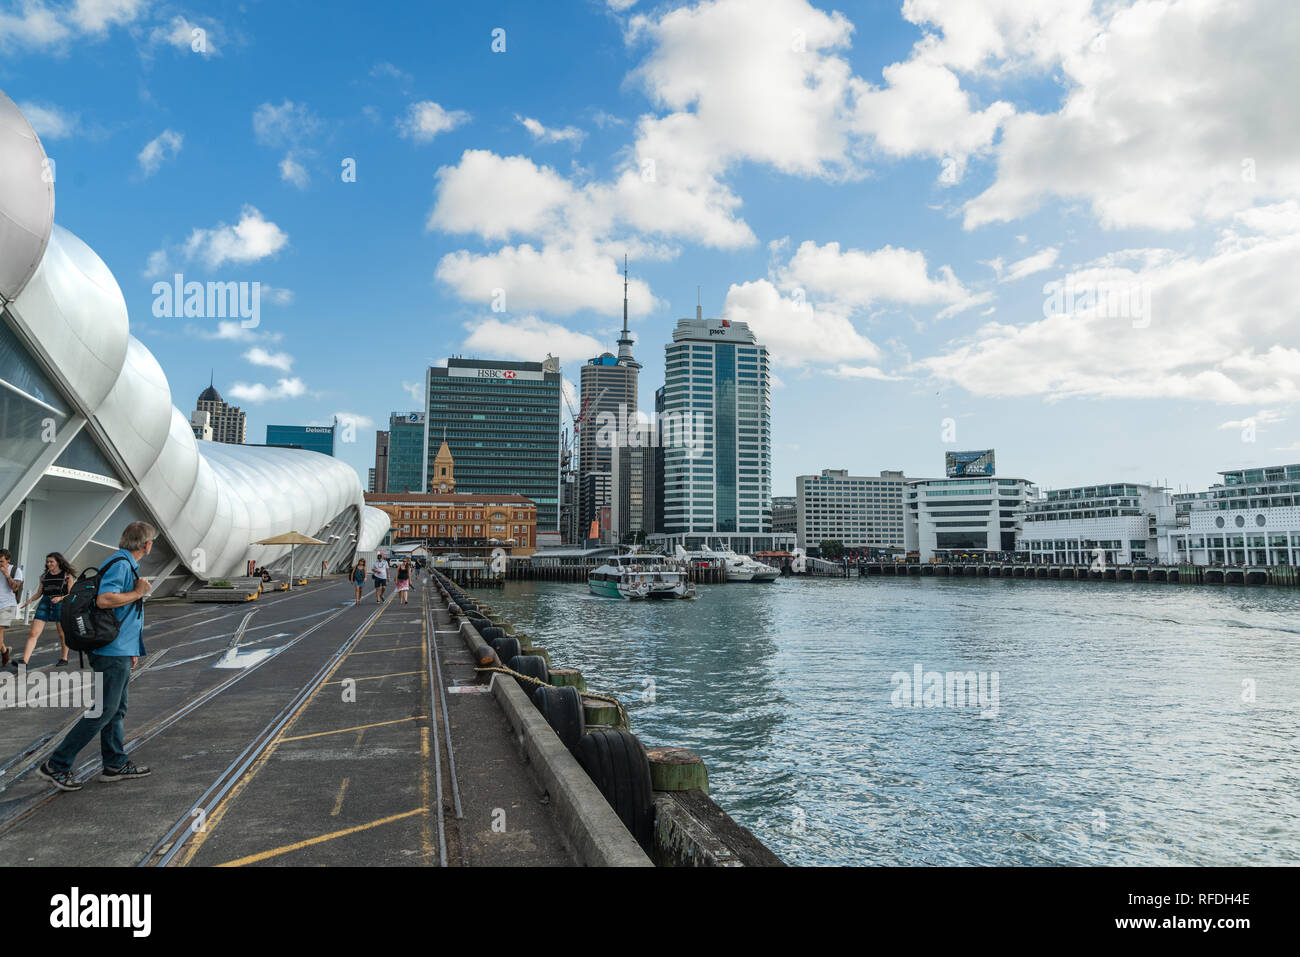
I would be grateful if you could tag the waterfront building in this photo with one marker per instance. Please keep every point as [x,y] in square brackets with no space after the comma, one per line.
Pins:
[963,516]
[313,438]
[501,421]
[1119,524]
[229,423]
[380,482]
[91,442]
[861,511]
[1252,517]
[473,525]
[716,434]
[405,453]
[785,514]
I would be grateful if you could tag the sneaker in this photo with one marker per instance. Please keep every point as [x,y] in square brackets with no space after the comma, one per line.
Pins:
[62,780]
[125,772]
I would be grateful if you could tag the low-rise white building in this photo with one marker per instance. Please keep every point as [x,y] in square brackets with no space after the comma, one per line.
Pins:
[1251,518]
[1119,524]
[961,516]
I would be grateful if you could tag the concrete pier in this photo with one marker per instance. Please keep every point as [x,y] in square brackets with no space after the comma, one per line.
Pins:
[1277,575]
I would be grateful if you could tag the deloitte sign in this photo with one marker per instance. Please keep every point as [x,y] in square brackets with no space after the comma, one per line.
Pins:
[314,438]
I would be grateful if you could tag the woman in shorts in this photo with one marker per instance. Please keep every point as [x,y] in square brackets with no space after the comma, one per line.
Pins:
[359,578]
[56,582]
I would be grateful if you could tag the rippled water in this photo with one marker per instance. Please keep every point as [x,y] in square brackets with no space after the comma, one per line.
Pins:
[1120,736]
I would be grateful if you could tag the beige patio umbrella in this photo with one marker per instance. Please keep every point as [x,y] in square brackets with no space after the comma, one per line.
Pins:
[291,539]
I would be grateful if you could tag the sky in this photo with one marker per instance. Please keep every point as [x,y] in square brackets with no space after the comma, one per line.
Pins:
[1064,230]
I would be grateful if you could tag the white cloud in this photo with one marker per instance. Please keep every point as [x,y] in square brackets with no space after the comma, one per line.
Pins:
[426,119]
[416,391]
[1043,259]
[276,295]
[354,419]
[286,125]
[275,360]
[1262,417]
[854,280]
[158,150]
[232,330]
[796,332]
[1170,118]
[158,264]
[528,338]
[291,171]
[386,70]
[37,25]
[552,279]
[251,239]
[862,372]
[259,392]
[547,134]
[500,196]
[50,122]
[1219,328]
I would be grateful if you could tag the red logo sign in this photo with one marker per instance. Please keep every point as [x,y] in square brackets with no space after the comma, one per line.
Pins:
[508,374]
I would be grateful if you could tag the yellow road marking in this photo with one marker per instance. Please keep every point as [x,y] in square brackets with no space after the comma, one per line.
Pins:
[196,840]
[398,674]
[426,828]
[338,801]
[360,727]
[299,845]
[380,651]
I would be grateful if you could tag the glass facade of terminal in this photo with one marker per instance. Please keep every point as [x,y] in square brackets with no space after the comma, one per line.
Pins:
[501,421]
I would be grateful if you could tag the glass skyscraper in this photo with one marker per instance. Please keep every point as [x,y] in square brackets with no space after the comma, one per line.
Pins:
[406,457]
[501,421]
[716,434]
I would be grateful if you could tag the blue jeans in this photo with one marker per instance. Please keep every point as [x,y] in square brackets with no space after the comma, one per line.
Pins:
[117,673]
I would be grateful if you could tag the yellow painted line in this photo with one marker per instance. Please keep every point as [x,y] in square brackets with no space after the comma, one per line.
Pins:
[311,841]
[396,674]
[196,840]
[380,651]
[360,727]
[338,801]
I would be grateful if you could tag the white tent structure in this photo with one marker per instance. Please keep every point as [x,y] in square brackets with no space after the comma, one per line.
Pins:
[90,439]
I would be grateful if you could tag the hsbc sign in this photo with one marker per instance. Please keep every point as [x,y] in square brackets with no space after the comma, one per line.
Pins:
[506,374]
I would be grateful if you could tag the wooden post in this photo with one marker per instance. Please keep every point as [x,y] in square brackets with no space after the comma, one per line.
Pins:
[599,712]
[572,677]
[677,769]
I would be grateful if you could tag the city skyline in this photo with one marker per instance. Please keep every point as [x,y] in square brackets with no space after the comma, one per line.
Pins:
[1122,323]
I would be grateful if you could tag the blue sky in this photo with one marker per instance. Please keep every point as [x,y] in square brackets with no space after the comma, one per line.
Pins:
[882,189]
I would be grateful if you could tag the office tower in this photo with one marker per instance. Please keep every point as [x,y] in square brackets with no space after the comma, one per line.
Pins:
[860,511]
[715,429]
[608,396]
[501,421]
[405,452]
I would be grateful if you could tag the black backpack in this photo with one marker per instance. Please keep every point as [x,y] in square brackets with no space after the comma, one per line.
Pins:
[86,626]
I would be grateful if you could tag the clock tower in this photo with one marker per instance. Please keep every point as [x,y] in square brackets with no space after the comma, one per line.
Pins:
[443,479]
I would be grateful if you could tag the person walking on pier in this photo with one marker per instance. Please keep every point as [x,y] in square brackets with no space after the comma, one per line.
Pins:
[55,583]
[123,589]
[359,577]
[11,585]
[404,581]
[380,572]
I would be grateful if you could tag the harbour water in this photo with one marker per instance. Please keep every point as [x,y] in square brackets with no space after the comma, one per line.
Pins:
[1122,730]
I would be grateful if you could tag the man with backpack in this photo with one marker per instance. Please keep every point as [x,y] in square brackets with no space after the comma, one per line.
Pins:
[119,588]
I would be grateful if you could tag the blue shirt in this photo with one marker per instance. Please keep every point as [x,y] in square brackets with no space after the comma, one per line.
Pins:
[130,618]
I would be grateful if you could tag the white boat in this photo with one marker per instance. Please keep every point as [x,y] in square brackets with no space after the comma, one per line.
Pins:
[739,568]
[640,575]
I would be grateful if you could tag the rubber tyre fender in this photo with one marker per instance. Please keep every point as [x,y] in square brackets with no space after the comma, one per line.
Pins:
[616,762]
[506,646]
[490,633]
[534,666]
[562,709]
